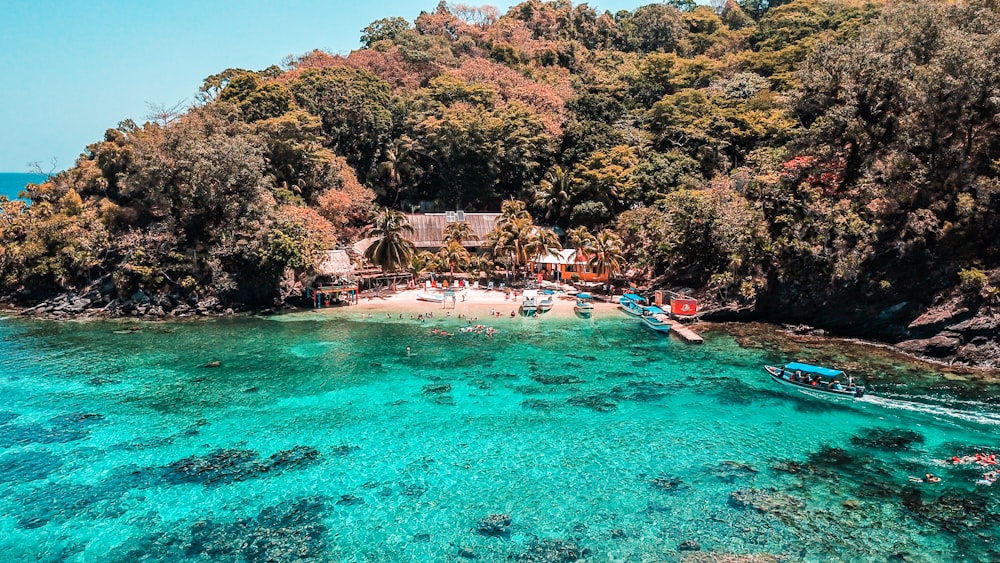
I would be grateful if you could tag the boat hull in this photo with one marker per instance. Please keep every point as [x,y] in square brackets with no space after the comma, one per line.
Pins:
[815,390]
[430,298]
[583,311]
[528,308]
[657,325]
[635,311]
[545,305]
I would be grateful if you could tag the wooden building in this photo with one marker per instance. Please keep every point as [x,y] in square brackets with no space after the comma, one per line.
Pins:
[428,228]
[562,265]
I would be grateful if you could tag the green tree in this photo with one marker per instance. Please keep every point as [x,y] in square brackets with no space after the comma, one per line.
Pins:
[580,237]
[356,109]
[455,256]
[391,249]
[459,232]
[605,253]
[385,29]
[553,195]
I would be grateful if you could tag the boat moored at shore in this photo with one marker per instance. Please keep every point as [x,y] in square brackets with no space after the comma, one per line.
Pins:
[583,308]
[632,304]
[656,319]
[529,305]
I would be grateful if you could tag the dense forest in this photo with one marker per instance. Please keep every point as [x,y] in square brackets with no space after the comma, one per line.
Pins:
[831,162]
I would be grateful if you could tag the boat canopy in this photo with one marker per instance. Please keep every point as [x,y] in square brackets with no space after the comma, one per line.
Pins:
[816,370]
[583,296]
[633,297]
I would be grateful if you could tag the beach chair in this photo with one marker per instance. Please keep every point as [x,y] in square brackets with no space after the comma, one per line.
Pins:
[489,286]
[502,286]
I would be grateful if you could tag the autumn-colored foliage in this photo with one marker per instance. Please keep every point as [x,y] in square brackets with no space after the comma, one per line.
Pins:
[753,149]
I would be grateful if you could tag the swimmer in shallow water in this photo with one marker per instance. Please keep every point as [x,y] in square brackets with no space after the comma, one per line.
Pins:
[928,478]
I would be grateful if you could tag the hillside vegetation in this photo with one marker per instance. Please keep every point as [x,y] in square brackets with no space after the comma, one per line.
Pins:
[833,162]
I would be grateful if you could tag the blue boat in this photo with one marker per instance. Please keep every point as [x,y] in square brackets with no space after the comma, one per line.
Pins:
[822,380]
[632,304]
[583,308]
[656,319]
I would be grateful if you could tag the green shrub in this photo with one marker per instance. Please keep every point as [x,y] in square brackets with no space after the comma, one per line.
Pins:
[973,278]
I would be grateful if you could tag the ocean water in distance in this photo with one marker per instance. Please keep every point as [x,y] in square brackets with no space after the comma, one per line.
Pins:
[11,183]
[317,438]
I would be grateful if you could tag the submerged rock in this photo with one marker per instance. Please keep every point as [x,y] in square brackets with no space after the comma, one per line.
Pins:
[232,465]
[593,402]
[289,531]
[666,482]
[689,545]
[553,551]
[437,388]
[350,500]
[497,525]
[887,439]
[538,404]
[557,379]
[730,471]
[22,467]
[767,501]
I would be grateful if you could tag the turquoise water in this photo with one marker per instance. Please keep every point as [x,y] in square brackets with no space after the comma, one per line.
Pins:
[11,183]
[319,439]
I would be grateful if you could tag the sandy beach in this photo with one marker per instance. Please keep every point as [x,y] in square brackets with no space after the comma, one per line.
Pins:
[469,303]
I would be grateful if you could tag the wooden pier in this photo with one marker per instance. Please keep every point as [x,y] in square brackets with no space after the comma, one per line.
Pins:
[685,333]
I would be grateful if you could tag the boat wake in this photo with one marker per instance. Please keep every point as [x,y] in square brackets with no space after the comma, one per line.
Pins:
[941,411]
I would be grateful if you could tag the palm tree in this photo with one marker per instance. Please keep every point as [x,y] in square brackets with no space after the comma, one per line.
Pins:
[606,256]
[543,241]
[510,210]
[580,238]
[391,249]
[458,232]
[552,197]
[455,256]
[394,166]
[511,238]
[424,261]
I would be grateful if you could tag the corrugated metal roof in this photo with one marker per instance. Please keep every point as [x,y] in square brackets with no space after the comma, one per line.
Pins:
[428,228]
[563,256]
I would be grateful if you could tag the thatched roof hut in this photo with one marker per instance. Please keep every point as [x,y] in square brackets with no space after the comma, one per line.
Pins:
[336,264]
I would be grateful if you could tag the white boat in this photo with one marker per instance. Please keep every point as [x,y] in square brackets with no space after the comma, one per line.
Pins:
[529,305]
[656,319]
[583,308]
[632,304]
[545,305]
[816,380]
[432,297]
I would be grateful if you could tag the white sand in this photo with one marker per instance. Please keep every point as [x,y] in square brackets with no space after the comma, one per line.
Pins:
[468,303]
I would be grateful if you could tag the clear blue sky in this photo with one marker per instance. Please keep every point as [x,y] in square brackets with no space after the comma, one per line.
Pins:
[73,68]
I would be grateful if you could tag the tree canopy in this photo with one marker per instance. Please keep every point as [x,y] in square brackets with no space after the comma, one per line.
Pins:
[758,150]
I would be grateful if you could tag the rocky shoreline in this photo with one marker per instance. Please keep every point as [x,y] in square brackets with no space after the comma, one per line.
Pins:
[951,333]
